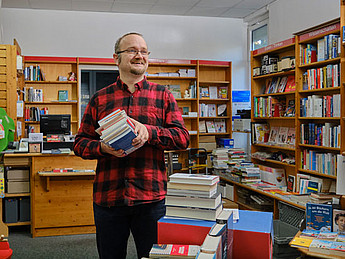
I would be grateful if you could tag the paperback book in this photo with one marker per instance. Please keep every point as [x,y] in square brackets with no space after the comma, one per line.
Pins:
[319,217]
[174,251]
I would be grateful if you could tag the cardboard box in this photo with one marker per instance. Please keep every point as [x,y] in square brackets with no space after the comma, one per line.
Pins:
[18,174]
[18,186]
[208,146]
[185,231]
[207,139]
[253,235]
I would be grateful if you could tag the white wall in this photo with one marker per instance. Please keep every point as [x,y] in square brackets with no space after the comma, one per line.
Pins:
[287,17]
[93,34]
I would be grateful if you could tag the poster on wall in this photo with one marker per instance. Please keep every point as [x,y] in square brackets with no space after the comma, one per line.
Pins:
[240,101]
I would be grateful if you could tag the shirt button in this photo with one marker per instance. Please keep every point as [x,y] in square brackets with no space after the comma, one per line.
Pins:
[130,111]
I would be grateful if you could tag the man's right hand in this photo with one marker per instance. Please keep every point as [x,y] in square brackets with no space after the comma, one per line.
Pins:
[108,149]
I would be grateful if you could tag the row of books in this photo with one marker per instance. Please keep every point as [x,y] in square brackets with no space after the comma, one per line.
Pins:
[32,94]
[33,73]
[263,133]
[280,84]
[319,134]
[118,131]
[176,91]
[214,92]
[207,110]
[326,48]
[280,156]
[324,163]
[273,107]
[33,113]
[180,73]
[212,126]
[322,77]
[320,106]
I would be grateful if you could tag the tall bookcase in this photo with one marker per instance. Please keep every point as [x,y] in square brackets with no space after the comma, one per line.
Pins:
[319,98]
[42,94]
[263,97]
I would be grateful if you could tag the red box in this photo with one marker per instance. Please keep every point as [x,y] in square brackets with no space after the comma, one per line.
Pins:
[253,235]
[183,231]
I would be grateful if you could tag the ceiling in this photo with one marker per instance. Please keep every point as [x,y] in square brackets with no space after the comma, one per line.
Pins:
[207,8]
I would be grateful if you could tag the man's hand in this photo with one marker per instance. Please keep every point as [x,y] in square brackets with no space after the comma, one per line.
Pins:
[142,134]
[108,149]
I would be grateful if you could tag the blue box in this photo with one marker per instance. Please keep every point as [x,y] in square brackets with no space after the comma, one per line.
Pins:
[226,142]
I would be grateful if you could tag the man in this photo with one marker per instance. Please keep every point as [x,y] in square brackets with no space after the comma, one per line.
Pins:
[129,190]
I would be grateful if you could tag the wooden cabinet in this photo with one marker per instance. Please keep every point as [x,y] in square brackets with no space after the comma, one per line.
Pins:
[270,99]
[45,79]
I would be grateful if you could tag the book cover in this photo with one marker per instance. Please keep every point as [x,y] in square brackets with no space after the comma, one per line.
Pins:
[125,142]
[213,92]
[210,127]
[204,92]
[320,246]
[339,221]
[261,132]
[291,187]
[319,217]
[63,95]
[212,110]
[309,233]
[273,137]
[290,84]
[202,126]
[338,248]
[282,135]
[194,213]
[223,92]
[174,251]
[194,178]
[175,90]
[291,136]
[197,202]
[290,109]
[282,84]
[301,242]
[220,125]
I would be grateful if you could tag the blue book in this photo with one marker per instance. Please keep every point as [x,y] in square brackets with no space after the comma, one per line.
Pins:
[125,142]
[319,217]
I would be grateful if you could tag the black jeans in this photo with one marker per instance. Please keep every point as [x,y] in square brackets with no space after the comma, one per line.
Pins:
[113,226]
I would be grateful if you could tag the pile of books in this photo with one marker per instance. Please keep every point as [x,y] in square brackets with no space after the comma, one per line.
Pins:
[117,131]
[193,196]
[245,172]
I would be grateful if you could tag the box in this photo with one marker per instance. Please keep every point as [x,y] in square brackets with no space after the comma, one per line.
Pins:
[226,142]
[173,230]
[24,209]
[18,174]
[207,139]
[253,235]
[241,124]
[208,146]
[18,186]
[11,210]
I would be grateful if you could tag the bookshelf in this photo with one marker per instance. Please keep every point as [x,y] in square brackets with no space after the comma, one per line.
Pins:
[319,124]
[45,77]
[273,69]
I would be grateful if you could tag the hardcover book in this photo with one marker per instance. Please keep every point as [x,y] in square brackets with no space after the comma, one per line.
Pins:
[174,251]
[194,213]
[194,201]
[290,84]
[63,95]
[319,217]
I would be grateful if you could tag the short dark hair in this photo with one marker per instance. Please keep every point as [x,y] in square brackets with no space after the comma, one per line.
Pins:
[338,216]
[118,42]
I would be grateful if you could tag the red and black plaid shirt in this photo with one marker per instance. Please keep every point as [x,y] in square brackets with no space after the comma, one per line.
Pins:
[139,177]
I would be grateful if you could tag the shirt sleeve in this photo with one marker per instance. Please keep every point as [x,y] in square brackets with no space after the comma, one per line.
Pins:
[87,144]
[173,134]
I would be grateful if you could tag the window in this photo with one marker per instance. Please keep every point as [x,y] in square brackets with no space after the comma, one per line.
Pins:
[259,37]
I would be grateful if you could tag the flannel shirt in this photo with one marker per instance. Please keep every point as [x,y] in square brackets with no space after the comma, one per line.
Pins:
[139,177]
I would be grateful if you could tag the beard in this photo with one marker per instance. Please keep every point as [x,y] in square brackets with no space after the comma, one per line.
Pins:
[137,72]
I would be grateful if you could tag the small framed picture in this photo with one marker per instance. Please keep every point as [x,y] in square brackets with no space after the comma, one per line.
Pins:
[35,147]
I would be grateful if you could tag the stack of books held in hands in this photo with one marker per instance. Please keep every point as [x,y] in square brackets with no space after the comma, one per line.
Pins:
[117,131]
[193,196]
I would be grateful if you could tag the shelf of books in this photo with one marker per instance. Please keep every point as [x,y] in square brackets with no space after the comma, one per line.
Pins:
[214,99]
[50,87]
[318,125]
[273,133]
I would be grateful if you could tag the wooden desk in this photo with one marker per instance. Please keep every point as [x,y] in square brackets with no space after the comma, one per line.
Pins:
[65,207]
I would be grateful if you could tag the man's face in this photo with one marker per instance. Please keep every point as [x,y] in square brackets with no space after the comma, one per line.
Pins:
[341,223]
[135,64]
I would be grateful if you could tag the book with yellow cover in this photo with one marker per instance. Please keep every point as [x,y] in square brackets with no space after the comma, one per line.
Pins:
[301,242]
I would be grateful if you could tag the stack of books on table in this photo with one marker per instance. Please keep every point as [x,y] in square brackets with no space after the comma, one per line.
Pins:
[117,131]
[327,243]
[193,196]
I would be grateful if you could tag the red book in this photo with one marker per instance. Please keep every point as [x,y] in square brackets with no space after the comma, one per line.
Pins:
[290,85]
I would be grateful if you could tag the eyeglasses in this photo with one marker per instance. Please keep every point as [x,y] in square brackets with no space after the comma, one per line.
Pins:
[135,52]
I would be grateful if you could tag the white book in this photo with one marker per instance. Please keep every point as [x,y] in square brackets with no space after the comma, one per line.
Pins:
[213,90]
[194,178]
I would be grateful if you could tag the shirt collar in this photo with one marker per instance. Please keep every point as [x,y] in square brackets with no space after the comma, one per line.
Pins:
[138,85]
